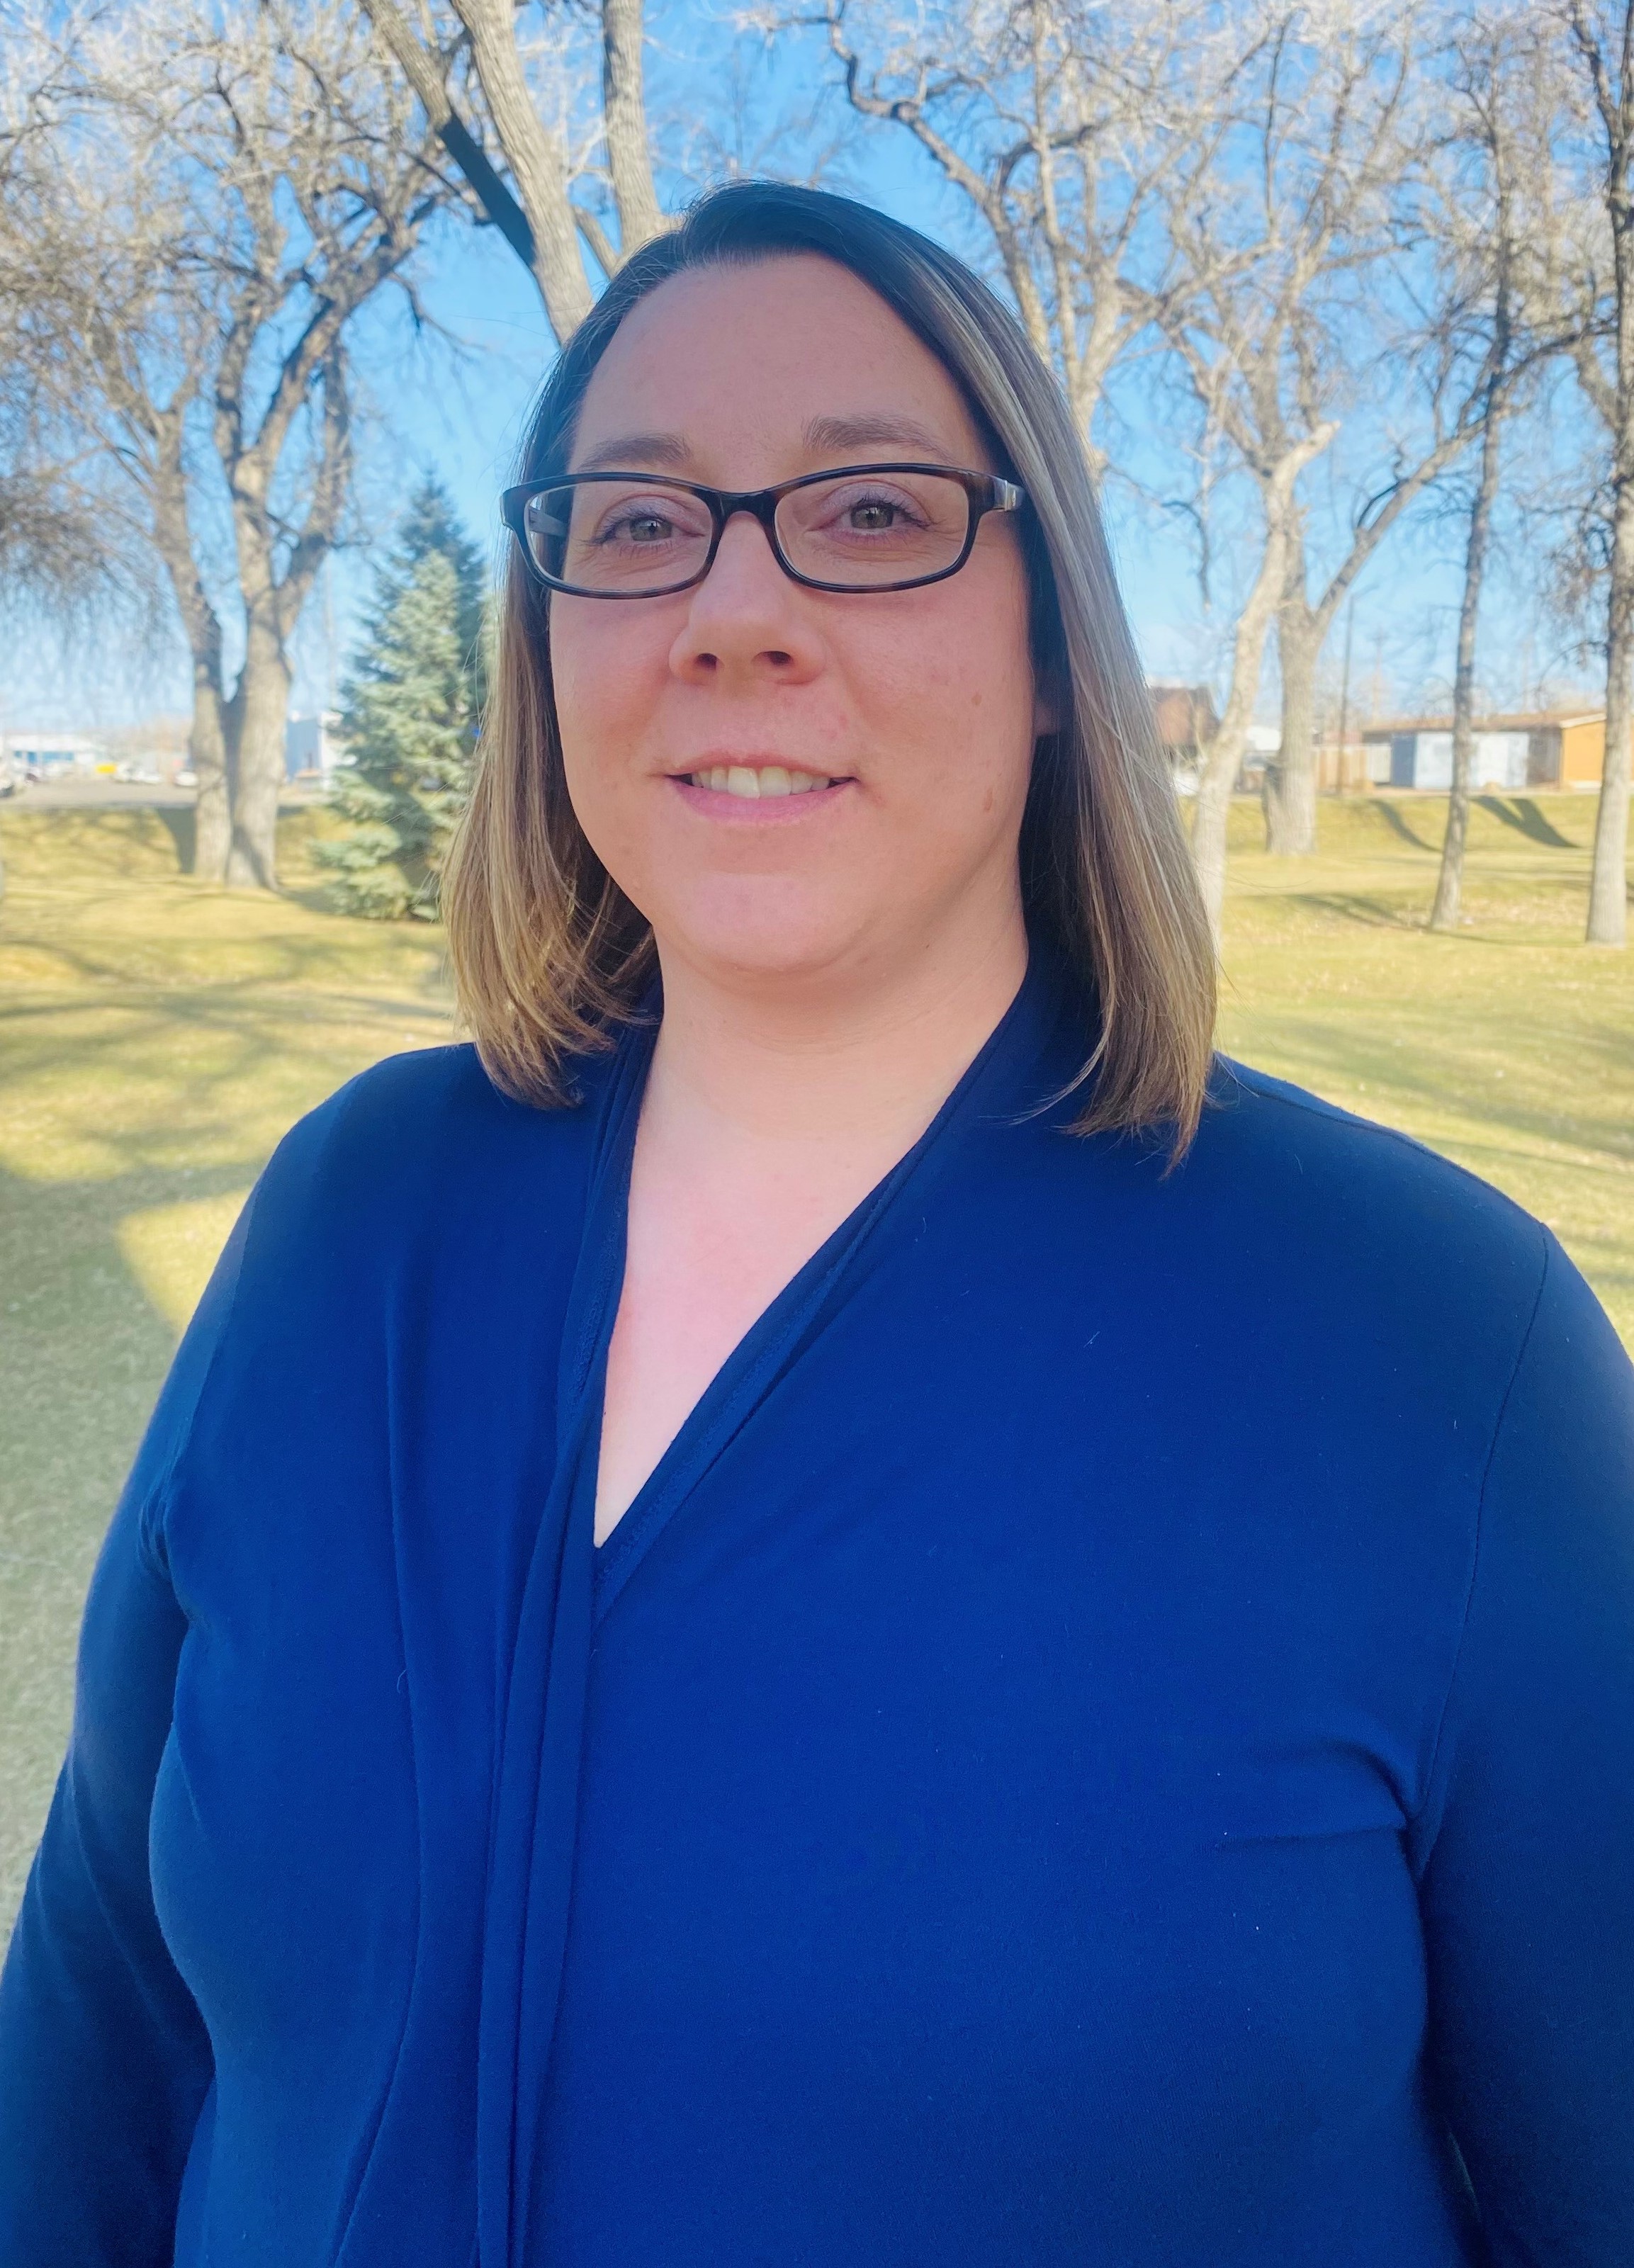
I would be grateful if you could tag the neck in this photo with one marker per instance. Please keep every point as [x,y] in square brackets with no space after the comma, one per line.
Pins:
[861,1056]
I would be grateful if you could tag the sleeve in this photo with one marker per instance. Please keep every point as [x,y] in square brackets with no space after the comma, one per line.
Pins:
[1526,1838]
[104,2060]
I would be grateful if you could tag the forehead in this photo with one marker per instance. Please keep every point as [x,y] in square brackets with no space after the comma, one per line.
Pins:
[786,359]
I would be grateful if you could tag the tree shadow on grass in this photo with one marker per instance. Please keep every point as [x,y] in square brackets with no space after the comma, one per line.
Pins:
[178,822]
[1396,818]
[147,1083]
[1352,906]
[334,963]
[1522,813]
[313,897]
[1381,913]
[1338,1056]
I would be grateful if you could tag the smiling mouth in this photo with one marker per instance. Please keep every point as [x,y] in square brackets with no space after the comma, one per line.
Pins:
[754,781]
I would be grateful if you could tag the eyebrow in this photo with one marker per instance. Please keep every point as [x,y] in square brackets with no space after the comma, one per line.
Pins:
[636,449]
[827,435]
[823,437]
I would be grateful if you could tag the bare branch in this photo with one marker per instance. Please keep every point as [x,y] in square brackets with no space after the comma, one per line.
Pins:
[537,160]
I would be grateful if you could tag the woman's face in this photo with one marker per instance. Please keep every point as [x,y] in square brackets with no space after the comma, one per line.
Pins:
[916,707]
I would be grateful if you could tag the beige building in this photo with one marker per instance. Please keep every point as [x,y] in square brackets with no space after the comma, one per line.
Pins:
[1560,749]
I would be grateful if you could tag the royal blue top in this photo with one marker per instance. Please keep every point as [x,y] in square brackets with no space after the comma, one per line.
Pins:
[1108,1738]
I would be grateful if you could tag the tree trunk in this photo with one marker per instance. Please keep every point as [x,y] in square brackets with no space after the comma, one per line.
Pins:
[206,754]
[535,162]
[1211,818]
[262,702]
[1609,886]
[1606,52]
[624,120]
[1291,783]
[1222,760]
[208,738]
[1450,882]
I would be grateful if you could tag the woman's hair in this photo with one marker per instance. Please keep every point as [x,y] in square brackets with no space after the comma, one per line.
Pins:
[549,955]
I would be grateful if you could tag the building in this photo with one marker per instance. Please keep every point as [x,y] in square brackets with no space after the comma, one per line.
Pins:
[1186,719]
[51,755]
[1341,770]
[153,749]
[1186,722]
[311,750]
[1563,749]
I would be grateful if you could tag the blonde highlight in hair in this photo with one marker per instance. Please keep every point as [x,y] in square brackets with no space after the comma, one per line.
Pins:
[549,955]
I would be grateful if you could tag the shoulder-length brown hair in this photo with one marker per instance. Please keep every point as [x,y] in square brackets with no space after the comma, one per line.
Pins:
[549,955]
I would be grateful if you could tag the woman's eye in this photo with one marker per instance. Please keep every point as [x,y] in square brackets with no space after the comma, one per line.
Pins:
[638,527]
[874,515]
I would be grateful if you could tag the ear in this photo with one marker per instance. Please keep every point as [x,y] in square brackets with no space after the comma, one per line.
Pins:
[1047,708]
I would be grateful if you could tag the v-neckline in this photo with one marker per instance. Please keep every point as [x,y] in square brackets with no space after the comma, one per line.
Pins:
[774,1339]
[569,1586]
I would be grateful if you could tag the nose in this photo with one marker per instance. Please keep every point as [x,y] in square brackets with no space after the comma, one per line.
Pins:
[747,624]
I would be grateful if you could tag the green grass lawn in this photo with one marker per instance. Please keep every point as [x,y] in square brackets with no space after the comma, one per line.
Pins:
[1509,1046]
[158,1035]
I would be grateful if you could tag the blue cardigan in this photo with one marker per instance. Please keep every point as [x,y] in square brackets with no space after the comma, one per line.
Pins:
[1107,1738]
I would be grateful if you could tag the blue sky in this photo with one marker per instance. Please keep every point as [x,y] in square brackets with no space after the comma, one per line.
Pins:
[455,406]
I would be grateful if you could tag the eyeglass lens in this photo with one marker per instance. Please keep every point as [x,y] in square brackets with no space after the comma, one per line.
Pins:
[640,537]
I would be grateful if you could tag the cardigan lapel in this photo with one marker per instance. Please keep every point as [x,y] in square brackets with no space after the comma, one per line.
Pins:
[535,1804]
[571,1584]
[1003,1080]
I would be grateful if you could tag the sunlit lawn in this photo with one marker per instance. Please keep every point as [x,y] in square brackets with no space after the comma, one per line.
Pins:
[1509,1047]
[157,1037]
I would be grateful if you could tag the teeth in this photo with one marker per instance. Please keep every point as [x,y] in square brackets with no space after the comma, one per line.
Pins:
[754,781]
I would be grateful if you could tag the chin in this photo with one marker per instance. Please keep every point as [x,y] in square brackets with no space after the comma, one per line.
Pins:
[769,930]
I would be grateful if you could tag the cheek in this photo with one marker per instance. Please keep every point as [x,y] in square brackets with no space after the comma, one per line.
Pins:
[603,707]
[958,691]
[605,680]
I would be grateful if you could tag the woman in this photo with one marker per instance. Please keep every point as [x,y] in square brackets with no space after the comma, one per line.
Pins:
[800,1612]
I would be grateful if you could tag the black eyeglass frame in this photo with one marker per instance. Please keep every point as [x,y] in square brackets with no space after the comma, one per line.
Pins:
[984,491]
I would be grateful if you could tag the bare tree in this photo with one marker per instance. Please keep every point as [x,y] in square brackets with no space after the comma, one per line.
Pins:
[1073,132]
[1287,264]
[1601,33]
[1269,230]
[1059,122]
[242,184]
[57,551]
[529,90]
[1223,758]
[1219,179]
[1490,213]
[1450,876]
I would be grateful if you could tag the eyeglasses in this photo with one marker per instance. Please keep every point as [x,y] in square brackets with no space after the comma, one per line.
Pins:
[862,527]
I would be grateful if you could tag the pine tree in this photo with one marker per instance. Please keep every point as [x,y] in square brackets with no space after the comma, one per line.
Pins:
[412,704]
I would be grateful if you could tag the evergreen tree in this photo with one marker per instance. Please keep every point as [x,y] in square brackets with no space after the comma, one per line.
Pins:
[412,704]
